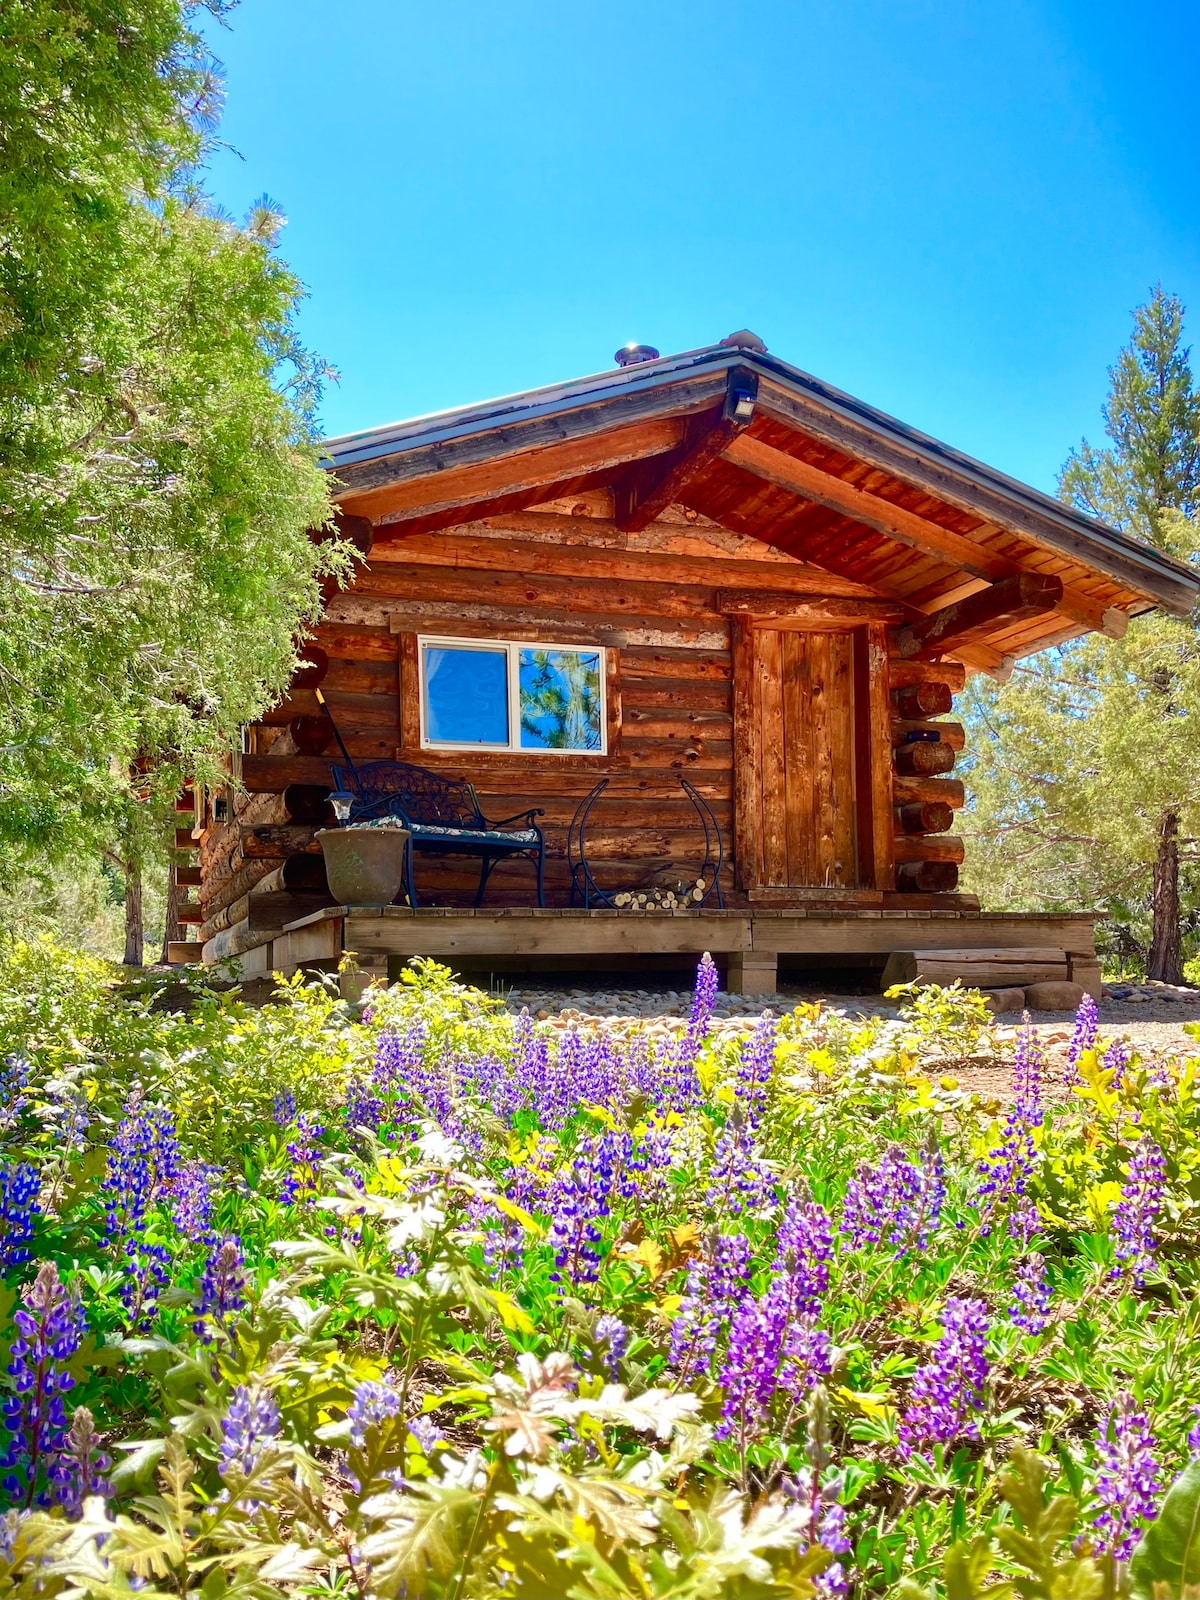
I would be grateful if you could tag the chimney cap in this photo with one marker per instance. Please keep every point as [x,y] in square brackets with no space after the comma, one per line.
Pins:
[743,339]
[632,355]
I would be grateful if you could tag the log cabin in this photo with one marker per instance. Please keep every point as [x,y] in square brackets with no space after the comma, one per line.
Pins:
[708,567]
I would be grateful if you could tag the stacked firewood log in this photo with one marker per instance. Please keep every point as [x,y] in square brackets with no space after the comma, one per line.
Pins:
[923,754]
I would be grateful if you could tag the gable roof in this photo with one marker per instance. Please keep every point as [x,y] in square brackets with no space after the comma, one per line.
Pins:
[767,449]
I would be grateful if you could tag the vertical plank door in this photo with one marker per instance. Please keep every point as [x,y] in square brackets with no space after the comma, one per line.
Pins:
[798,804]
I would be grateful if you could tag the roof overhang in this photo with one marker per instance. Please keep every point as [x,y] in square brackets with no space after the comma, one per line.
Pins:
[500,454]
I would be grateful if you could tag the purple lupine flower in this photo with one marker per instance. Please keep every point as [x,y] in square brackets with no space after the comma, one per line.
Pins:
[1133,1219]
[749,1374]
[804,1250]
[193,1200]
[1030,1307]
[19,1211]
[1127,1482]
[755,1065]
[14,1079]
[283,1108]
[948,1392]
[50,1326]
[1193,1438]
[806,1357]
[503,1237]
[372,1404]
[614,1335]
[1117,1056]
[364,1105]
[143,1161]
[737,1181]
[715,1284]
[305,1155]
[826,1526]
[426,1432]
[221,1293]
[680,1083]
[1006,1169]
[579,1200]
[896,1203]
[249,1427]
[78,1470]
[1083,1037]
[399,1072]
[147,1273]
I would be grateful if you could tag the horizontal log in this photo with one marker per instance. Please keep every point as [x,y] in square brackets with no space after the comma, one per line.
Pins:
[232,941]
[980,616]
[356,641]
[287,839]
[546,626]
[639,662]
[930,816]
[903,673]
[932,847]
[187,877]
[269,913]
[297,873]
[184,840]
[184,952]
[188,913]
[805,610]
[563,556]
[975,969]
[364,712]
[910,791]
[221,889]
[951,733]
[678,694]
[926,877]
[922,760]
[918,701]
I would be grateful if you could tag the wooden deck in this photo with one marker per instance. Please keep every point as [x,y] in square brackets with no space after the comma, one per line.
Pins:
[747,944]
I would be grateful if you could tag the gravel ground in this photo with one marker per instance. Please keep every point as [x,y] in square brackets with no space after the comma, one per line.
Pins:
[1152,1025]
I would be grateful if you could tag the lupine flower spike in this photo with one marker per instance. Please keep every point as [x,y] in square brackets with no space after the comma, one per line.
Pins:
[1127,1484]
[948,1394]
[1087,1021]
[1030,1307]
[1133,1220]
[50,1326]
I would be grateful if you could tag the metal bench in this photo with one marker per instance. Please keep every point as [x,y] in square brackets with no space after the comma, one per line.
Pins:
[443,818]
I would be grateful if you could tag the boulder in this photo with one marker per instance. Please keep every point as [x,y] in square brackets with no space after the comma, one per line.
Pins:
[998,1000]
[1053,996]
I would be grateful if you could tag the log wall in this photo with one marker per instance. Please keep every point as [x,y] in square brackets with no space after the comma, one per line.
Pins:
[659,602]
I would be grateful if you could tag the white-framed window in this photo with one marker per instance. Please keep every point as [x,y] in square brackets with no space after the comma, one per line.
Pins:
[506,694]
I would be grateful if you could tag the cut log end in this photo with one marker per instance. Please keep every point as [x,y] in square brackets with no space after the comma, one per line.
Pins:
[926,877]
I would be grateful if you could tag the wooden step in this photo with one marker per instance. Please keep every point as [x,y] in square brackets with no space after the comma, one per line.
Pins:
[182,953]
[977,969]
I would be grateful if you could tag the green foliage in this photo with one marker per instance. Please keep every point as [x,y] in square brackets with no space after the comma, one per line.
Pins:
[1075,762]
[422,1253]
[158,459]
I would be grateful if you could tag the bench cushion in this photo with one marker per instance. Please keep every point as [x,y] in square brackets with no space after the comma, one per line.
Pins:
[526,836]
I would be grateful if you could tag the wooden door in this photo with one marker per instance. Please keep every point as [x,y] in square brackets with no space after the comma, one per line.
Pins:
[806,721]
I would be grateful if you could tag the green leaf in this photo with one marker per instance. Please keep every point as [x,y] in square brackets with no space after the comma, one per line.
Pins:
[1169,1550]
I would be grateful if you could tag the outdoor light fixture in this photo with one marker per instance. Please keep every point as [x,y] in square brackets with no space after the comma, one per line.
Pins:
[743,405]
[341,803]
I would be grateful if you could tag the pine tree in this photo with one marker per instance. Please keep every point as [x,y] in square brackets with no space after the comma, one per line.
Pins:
[1086,766]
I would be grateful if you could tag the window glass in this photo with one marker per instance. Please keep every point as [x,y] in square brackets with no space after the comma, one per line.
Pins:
[466,695]
[560,699]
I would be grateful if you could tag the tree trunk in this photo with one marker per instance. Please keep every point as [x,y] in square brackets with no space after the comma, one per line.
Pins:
[135,932]
[1166,945]
[172,928]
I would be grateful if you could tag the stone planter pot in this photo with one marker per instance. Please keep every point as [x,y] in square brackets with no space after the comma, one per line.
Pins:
[365,866]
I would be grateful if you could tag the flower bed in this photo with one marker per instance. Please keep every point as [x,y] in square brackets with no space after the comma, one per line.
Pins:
[428,1299]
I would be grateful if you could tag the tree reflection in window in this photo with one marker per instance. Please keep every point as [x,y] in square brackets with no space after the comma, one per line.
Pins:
[560,700]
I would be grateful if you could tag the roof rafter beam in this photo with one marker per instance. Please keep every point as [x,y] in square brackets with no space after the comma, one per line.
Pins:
[644,495]
[971,621]
[904,526]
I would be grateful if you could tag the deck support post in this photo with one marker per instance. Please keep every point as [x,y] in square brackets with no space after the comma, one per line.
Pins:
[753,971]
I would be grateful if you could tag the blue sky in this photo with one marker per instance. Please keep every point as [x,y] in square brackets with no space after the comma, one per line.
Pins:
[948,208]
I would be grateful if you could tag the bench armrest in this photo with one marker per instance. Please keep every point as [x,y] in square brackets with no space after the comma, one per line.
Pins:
[521,816]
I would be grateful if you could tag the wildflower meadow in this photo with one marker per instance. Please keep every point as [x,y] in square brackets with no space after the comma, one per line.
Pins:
[413,1297]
